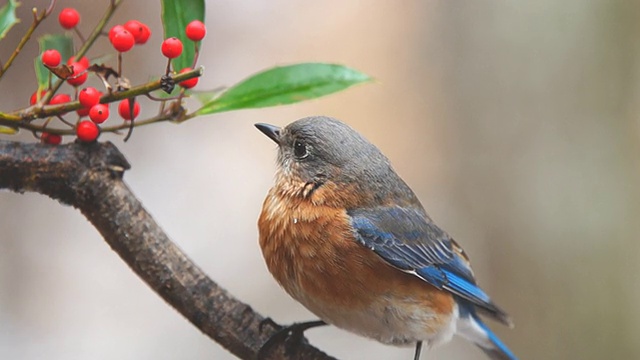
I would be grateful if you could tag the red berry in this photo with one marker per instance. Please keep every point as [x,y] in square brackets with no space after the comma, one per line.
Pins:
[135,28]
[53,139]
[146,33]
[34,97]
[69,18]
[51,58]
[123,41]
[114,30]
[60,99]
[139,31]
[79,74]
[99,113]
[83,60]
[196,30]
[87,131]
[124,109]
[188,84]
[89,96]
[82,112]
[172,47]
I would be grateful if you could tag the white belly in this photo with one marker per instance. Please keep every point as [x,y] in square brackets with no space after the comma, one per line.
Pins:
[400,323]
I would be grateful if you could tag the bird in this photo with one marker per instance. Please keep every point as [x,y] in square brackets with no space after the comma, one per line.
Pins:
[346,237]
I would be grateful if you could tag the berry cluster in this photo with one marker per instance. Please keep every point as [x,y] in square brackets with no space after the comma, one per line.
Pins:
[76,72]
[172,48]
[124,37]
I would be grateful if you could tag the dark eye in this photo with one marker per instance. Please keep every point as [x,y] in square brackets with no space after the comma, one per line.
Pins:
[300,149]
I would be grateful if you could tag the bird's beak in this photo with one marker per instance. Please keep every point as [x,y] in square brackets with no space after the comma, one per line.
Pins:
[273,132]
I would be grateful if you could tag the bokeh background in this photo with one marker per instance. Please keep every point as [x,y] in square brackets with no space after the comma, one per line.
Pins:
[516,123]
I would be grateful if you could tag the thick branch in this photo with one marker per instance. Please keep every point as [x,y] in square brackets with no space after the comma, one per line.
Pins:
[89,177]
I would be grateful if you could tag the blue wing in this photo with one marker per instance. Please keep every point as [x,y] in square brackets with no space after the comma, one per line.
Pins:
[407,239]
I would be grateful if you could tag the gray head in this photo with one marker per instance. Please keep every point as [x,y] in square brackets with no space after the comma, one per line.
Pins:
[317,150]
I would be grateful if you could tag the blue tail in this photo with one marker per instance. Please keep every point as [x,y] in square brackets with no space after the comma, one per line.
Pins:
[473,329]
[498,350]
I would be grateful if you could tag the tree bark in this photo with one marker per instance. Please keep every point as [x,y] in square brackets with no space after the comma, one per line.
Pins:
[89,177]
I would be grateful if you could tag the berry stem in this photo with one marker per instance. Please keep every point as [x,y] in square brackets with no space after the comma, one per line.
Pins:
[119,67]
[195,56]
[46,123]
[77,31]
[155,98]
[168,70]
[181,94]
[65,121]
[132,102]
[49,10]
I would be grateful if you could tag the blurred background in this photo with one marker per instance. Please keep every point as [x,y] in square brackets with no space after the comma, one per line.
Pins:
[515,123]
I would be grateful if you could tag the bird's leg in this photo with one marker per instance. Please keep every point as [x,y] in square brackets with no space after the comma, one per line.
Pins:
[289,335]
[418,349]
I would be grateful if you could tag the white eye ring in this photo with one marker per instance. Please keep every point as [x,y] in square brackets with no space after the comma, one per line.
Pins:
[300,150]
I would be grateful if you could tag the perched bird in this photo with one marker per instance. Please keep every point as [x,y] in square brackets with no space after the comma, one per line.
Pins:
[345,236]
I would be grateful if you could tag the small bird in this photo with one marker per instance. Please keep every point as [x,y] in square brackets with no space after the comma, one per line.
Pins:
[346,237]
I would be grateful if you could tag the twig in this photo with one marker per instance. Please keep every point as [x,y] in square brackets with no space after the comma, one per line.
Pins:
[132,102]
[36,21]
[34,112]
[77,31]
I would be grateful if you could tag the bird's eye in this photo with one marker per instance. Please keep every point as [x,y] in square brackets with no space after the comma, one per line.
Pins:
[300,149]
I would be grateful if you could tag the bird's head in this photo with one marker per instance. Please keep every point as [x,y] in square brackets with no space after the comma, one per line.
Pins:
[321,151]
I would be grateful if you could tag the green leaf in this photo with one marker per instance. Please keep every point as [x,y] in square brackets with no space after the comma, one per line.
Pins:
[205,96]
[285,85]
[8,130]
[176,14]
[8,17]
[62,43]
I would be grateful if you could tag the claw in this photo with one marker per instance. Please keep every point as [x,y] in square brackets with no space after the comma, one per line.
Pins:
[290,336]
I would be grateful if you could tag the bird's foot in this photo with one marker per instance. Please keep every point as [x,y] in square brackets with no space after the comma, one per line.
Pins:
[290,336]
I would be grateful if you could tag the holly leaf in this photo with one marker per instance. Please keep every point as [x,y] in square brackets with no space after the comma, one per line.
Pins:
[176,14]
[205,96]
[285,85]
[8,17]
[60,42]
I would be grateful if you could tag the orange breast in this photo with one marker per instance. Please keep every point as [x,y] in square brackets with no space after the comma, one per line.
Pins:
[311,251]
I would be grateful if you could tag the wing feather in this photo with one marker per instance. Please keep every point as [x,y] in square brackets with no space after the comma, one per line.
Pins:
[407,239]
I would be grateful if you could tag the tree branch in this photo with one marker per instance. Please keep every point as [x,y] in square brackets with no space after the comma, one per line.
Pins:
[89,177]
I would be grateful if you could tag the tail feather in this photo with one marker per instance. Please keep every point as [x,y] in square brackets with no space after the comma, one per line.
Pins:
[497,350]
[474,330]
[498,354]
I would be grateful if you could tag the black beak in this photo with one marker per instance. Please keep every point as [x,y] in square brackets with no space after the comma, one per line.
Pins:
[273,132]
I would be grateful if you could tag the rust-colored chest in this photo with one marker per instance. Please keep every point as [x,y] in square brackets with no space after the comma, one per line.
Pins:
[311,251]
[303,244]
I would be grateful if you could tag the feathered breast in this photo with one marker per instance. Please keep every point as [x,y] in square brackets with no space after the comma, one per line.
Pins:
[310,249]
